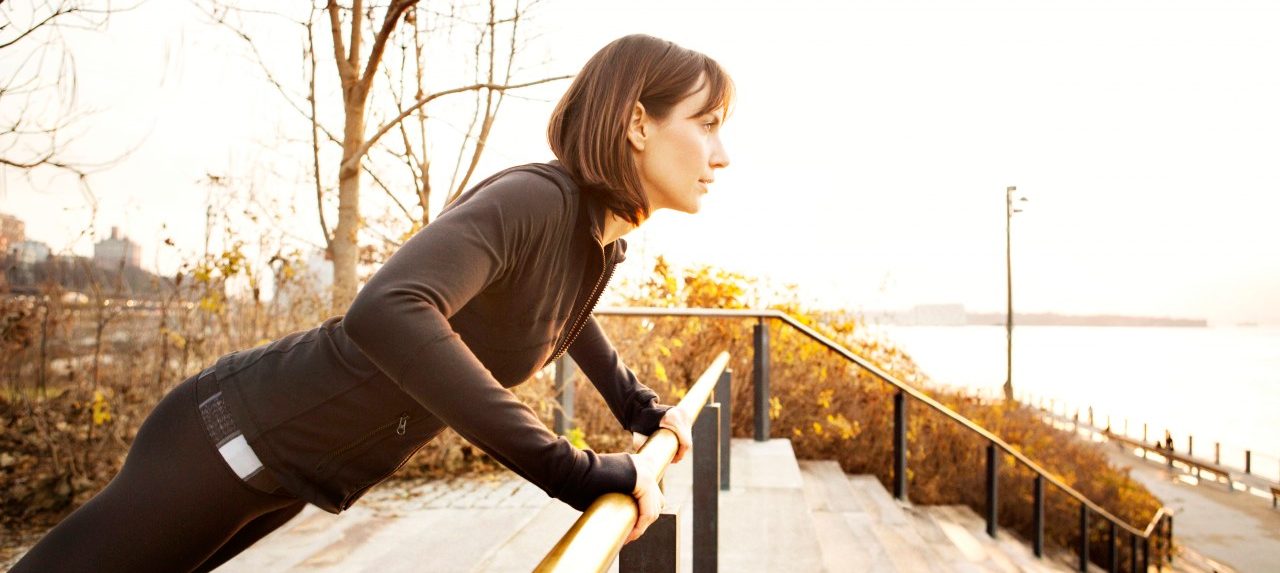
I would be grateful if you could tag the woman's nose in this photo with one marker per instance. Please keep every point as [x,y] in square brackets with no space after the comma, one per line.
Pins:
[719,158]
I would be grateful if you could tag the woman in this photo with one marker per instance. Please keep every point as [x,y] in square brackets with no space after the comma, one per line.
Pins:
[499,286]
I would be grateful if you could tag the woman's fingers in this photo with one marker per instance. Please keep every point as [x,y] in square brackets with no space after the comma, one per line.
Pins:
[649,504]
[677,420]
[648,498]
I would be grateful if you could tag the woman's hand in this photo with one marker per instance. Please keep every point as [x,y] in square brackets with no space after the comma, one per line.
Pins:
[649,499]
[678,421]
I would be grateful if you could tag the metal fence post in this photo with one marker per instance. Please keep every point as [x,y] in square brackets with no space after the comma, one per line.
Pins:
[706,490]
[1133,552]
[1038,511]
[657,551]
[564,395]
[1146,554]
[1248,461]
[1168,541]
[760,377]
[1113,555]
[724,395]
[900,445]
[993,477]
[1084,538]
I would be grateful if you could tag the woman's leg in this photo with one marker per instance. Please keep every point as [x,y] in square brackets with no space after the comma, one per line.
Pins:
[250,534]
[172,506]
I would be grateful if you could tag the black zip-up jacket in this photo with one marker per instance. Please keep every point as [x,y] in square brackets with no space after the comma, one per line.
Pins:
[493,290]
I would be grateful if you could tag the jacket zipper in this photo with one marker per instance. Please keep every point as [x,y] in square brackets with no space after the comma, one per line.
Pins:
[400,428]
[351,497]
[581,321]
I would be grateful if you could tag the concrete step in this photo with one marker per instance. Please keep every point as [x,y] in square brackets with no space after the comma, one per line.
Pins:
[1007,552]
[764,522]
[448,523]
[524,548]
[845,529]
[861,527]
[943,545]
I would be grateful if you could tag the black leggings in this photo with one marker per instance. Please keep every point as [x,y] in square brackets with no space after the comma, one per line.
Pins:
[175,505]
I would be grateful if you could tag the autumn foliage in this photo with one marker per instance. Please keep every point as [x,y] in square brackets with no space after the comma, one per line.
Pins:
[81,376]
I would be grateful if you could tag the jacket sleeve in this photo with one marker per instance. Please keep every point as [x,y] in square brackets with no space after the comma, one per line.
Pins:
[400,321]
[632,403]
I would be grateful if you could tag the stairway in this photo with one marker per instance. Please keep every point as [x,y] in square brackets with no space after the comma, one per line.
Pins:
[781,515]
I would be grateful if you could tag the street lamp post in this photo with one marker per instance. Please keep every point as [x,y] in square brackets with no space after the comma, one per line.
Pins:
[1008,262]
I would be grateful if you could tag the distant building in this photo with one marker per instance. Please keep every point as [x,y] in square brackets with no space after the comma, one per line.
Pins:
[319,270]
[938,315]
[30,252]
[12,232]
[314,275]
[109,253]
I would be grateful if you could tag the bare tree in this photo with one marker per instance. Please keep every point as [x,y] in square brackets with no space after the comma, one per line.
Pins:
[350,29]
[40,117]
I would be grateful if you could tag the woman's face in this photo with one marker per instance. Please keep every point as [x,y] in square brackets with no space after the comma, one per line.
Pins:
[677,157]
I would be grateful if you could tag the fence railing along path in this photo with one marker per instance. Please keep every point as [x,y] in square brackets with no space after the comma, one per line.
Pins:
[1218,472]
[595,540]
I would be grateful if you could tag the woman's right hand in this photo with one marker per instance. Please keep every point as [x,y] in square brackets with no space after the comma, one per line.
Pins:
[649,499]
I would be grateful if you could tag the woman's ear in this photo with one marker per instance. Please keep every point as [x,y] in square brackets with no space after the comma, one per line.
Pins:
[636,129]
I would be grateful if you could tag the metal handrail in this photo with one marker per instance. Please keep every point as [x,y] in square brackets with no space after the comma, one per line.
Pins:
[596,537]
[887,378]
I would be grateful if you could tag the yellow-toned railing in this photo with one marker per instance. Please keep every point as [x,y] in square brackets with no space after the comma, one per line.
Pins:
[596,538]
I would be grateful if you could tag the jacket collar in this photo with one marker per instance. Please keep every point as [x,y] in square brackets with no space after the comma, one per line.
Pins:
[596,214]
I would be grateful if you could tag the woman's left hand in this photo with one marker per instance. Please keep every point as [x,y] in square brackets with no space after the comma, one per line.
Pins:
[679,422]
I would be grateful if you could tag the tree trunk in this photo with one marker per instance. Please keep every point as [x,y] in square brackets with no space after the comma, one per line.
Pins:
[345,246]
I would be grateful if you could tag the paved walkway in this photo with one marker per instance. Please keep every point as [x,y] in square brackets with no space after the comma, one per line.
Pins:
[1234,528]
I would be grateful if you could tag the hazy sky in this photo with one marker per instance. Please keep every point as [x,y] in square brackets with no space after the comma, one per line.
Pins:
[871,146]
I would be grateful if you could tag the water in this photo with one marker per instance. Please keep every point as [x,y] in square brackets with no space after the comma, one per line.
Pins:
[1218,384]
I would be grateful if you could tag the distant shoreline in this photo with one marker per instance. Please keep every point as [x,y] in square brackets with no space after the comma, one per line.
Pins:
[1051,319]
[956,315]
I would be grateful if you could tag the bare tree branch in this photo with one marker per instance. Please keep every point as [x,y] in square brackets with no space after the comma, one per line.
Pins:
[345,70]
[315,128]
[424,101]
[394,12]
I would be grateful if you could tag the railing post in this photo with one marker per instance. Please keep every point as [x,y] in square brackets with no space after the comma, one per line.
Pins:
[1113,555]
[657,551]
[724,395]
[760,377]
[900,445]
[1190,444]
[1084,537]
[992,488]
[1038,516]
[706,490]
[1146,554]
[1217,455]
[564,395]
[1133,552]
[1168,539]
[1248,461]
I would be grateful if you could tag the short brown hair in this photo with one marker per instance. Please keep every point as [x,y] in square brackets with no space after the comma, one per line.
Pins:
[588,129]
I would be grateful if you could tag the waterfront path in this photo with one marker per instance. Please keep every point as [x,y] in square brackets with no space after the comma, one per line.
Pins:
[1234,528]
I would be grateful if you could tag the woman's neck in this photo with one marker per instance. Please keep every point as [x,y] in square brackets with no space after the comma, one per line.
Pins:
[614,227]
